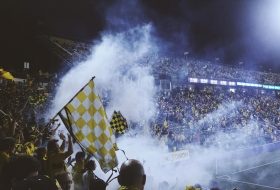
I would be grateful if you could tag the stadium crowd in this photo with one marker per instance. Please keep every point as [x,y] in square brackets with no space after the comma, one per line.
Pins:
[32,158]
[180,68]
[207,110]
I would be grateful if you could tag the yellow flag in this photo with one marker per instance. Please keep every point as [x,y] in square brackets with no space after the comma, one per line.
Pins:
[6,75]
[88,123]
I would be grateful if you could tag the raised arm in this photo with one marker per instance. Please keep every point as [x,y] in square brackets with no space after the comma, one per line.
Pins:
[63,138]
[70,147]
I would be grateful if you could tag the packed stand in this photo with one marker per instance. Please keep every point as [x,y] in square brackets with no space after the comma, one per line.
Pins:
[30,155]
[196,114]
[180,69]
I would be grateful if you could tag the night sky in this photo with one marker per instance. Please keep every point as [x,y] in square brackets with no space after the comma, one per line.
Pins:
[205,28]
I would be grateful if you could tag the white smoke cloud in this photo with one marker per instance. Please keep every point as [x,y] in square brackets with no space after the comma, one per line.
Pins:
[224,109]
[153,154]
[114,63]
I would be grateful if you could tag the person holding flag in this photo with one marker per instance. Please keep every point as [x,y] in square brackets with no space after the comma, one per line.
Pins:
[85,118]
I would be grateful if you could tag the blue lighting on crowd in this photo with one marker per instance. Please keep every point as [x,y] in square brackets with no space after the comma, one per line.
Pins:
[231,83]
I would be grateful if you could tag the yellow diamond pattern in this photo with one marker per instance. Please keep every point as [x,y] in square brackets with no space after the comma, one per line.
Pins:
[81,96]
[91,132]
[81,109]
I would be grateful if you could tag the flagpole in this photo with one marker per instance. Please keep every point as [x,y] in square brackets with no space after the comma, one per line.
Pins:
[69,101]
[71,132]
[73,97]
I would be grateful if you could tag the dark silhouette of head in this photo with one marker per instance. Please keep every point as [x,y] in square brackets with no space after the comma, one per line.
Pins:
[26,166]
[90,165]
[41,152]
[132,174]
[80,156]
[7,145]
[53,146]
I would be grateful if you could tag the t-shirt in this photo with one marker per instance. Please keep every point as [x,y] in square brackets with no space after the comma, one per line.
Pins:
[87,177]
[97,184]
[56,164]
[77,172]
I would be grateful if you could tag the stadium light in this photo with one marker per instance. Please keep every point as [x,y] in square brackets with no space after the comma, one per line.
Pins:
[266,17]
[194,80]
[213,82]
[223,82]
[204,81]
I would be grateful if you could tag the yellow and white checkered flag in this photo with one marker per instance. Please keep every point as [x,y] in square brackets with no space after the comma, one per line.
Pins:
[88,123]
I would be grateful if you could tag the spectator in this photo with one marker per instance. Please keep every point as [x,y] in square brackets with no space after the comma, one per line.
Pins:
[7,147]
[89,175]
[41,155]
[27,177]
[78,170]
[132,175]
[90,180]
[56,165]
